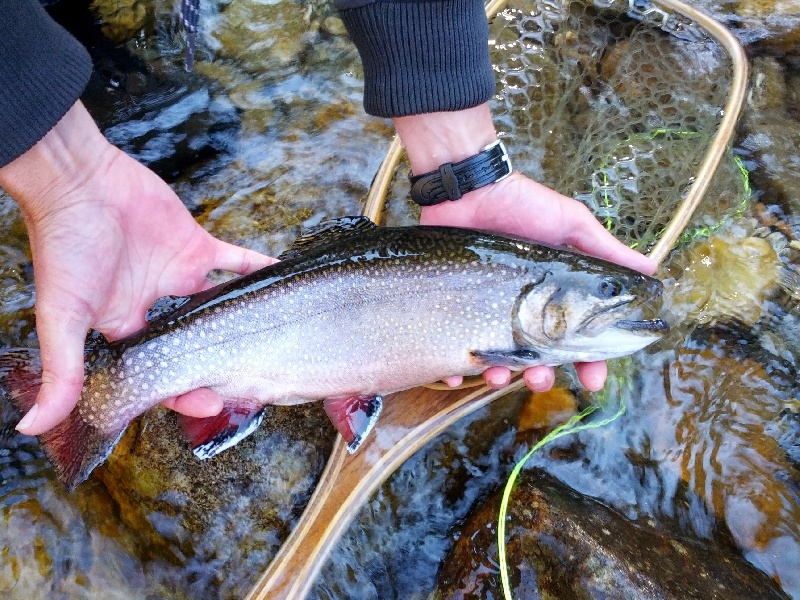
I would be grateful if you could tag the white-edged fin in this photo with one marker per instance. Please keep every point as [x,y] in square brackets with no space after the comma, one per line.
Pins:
[354,417]
[212,435]
[516,359]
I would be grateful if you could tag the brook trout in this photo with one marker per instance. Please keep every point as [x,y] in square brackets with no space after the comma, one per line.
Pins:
[351,313]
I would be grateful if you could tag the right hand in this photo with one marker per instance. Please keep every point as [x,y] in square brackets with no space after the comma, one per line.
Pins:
[108,237]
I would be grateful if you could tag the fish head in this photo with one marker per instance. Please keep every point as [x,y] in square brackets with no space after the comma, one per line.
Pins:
[586,312]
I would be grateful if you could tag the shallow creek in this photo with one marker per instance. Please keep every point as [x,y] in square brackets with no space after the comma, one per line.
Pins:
[268,136]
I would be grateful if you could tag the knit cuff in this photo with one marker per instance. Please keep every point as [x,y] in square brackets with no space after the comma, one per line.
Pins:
[422,57]
[42,73]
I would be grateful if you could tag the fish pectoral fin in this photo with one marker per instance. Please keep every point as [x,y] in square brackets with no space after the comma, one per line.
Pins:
[211,435]
[164,306]
[516,359]
[354,417]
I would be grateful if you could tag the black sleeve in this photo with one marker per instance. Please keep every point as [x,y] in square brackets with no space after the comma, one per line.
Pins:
[43,71]
[420,56]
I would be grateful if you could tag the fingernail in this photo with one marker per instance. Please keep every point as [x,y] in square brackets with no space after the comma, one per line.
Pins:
[28,419]
[499,381]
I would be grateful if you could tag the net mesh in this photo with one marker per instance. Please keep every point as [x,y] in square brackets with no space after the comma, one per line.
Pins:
[613,103]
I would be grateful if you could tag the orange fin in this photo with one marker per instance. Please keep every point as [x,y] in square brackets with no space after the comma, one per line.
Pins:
[354,417]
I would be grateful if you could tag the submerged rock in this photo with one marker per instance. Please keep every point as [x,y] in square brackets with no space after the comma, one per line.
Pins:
[725,279]
[772,135]
[564,545]
[223,518]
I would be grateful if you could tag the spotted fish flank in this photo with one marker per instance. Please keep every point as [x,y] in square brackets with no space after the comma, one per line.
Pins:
[351,313]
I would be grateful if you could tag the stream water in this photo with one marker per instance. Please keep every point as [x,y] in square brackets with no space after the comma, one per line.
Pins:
[268,136]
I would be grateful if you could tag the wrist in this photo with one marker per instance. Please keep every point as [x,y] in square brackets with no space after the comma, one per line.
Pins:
[64,160]
[433,139]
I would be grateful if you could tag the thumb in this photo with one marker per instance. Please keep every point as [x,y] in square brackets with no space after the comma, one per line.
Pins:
[239,260]
[61,332]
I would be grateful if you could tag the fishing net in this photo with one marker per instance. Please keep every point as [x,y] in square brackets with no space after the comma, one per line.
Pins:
[614,103]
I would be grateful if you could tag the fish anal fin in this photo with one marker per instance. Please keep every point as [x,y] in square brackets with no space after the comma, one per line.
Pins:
[354,416]
[516,359]
[327,233]
[209,436]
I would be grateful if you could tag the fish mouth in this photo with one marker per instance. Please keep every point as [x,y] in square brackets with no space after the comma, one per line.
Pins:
[654,326]
[608,317]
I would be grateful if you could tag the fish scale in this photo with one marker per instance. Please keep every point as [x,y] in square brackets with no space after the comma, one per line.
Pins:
[351,313]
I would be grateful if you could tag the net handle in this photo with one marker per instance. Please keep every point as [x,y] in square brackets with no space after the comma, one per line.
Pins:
[727,126]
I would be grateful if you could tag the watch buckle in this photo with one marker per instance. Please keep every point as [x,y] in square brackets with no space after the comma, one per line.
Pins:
[505,158]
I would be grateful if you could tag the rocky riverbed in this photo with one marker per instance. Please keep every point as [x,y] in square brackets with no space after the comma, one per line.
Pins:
[702,471]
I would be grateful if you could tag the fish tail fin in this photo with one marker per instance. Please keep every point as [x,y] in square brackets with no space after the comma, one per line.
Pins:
[21,376]
[74,446]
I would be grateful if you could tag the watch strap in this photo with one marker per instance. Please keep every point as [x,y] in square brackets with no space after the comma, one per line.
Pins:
[452,180]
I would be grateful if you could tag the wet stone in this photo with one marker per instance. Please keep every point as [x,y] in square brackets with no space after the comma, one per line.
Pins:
[564,545]
[723,279]
[121,20]
[771,134]
[223,518]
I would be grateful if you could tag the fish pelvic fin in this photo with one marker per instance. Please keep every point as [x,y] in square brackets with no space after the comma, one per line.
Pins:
[354,417]
[74,446]
[209,436]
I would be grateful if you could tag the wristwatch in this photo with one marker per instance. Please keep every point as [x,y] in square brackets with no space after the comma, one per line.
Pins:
[452,180]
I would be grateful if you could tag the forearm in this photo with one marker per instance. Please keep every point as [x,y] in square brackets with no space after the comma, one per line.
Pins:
[432,139]
[42,73]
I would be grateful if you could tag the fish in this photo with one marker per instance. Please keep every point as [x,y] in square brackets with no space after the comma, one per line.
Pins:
[351,312]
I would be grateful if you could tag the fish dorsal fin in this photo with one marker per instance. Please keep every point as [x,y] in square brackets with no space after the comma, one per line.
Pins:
[327,233]
[166,305]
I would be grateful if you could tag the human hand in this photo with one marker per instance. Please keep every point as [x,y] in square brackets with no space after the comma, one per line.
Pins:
[108,237]
[517,206]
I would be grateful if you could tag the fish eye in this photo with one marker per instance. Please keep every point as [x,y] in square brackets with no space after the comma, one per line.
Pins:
[609,288]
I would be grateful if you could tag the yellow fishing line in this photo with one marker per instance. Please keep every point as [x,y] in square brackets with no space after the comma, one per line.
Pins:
[573,425]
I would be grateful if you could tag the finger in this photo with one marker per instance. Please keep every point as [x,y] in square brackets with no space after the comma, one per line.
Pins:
[454,380]
[62,333]
[592,375]
[239,260]
[590,237]
[540,378]
[200,403]
[497,377]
